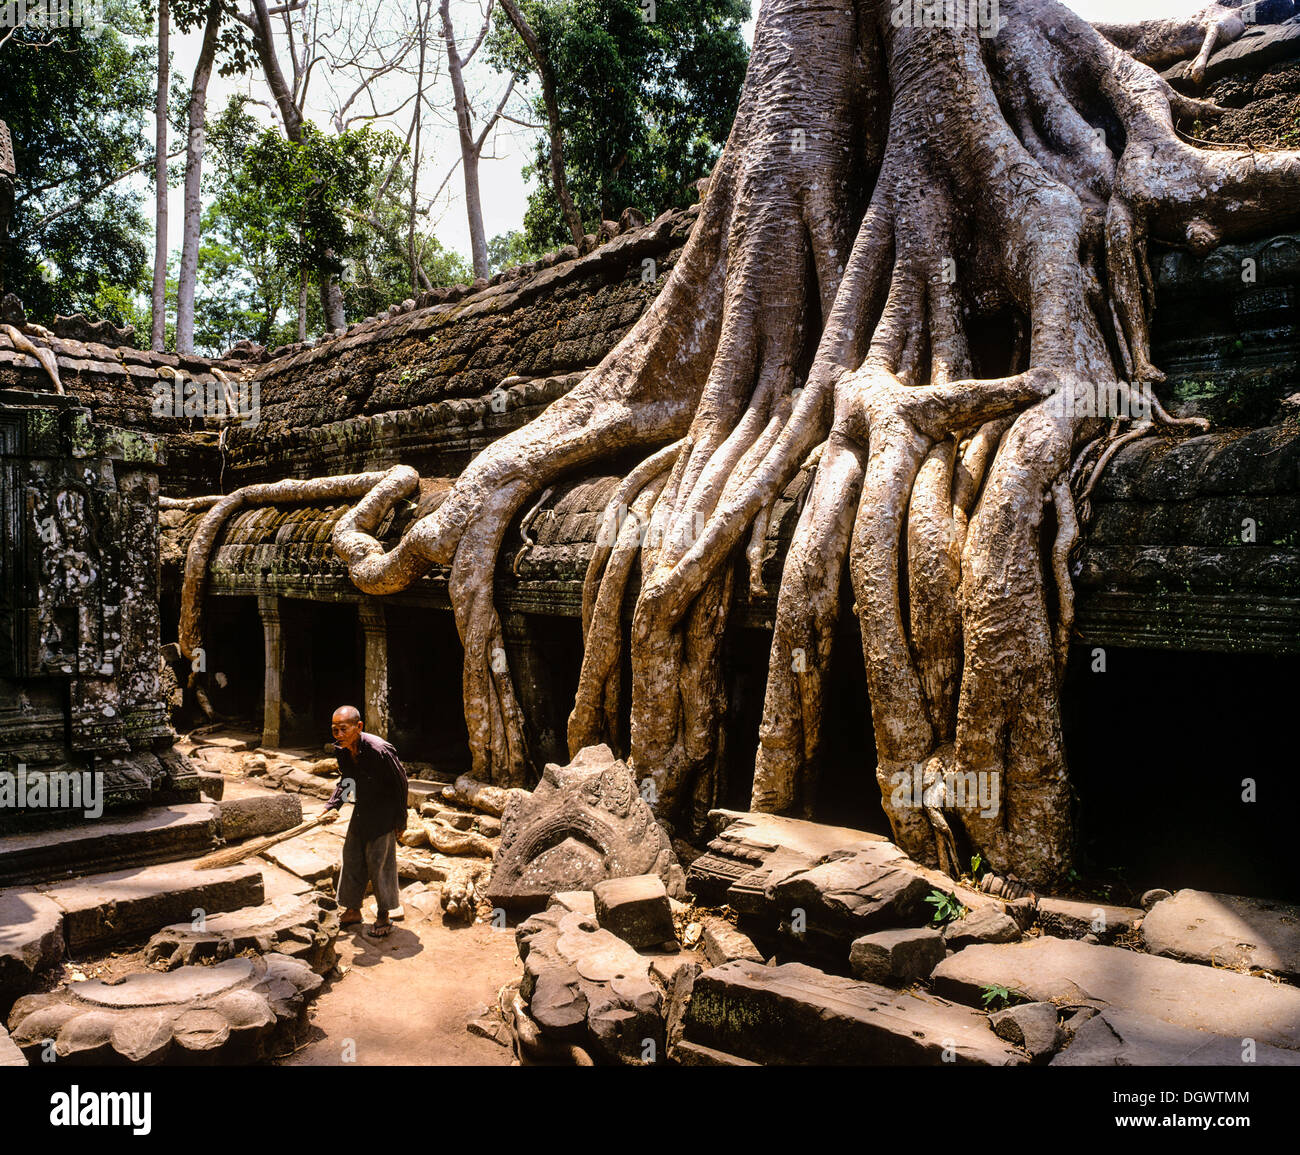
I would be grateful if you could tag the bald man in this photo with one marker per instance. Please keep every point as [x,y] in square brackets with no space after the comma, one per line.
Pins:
[372,767]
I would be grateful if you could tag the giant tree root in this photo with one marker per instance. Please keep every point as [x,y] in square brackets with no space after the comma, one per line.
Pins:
[890,199]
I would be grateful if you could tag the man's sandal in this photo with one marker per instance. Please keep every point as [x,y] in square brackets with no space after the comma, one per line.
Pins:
[345,923]
[380,930]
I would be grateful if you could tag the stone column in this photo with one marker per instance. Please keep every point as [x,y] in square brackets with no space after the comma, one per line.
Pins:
[374,626]
[268,607]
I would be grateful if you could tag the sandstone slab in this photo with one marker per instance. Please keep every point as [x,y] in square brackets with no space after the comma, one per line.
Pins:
[723,943]
[1226,930]
[1121,1038]
[104,908]
[796,1014]
[10,1055]
[1187,995]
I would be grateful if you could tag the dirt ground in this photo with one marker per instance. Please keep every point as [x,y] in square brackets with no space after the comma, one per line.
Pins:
[405,1000]
[402,1000]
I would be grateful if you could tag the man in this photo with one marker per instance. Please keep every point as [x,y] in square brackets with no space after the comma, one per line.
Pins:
[371,765]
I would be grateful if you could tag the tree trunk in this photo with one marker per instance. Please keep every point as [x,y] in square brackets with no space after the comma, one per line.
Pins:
[469,151]
[193,176]
[331,303]
[558,181]
[906,187]
[158,328]
[302,305]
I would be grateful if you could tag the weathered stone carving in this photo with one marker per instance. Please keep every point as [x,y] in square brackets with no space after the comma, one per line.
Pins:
[241,1010]
[584,823]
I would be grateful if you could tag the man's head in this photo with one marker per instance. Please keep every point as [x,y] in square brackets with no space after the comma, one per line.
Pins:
[346,725]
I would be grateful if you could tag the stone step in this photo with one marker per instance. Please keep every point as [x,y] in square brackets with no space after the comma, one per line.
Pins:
[105,908]
[1064,971]
[1226,930]
[160,834]
[796,1014]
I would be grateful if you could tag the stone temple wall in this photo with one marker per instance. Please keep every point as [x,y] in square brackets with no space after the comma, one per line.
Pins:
[79,606]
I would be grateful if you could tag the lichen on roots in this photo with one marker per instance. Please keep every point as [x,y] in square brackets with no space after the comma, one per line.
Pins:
[921,266]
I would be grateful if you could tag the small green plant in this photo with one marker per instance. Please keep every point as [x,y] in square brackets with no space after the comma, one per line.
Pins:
[946,907]
[976,865]
[992,995]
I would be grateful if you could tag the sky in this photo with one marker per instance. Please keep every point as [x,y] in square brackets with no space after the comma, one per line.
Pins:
[504,192]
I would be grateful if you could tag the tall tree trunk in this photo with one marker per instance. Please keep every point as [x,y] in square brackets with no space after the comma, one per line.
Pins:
[416,125]
[196,144]
[158,329]
[558,181]
[469,150]
[302,305]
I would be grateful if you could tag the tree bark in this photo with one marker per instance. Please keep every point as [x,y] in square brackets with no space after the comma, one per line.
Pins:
[197,142]
[158,327]
[903,189]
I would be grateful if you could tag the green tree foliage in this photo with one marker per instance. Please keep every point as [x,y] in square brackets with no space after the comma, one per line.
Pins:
[79,110]
[645,105]
[506,250]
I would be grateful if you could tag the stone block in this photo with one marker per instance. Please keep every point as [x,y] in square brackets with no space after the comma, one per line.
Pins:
[1121,1038]
[1067,918]
[723,943]
[636,909]
[1030,1025]
[981,926]
[259,814]
[896,957]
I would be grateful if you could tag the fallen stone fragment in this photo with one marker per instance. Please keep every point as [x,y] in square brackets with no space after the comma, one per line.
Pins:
[1066,918]
[1122,1038]
[584,823]
[981,926]
[1030,1025]
[723,943]
[1186,994]
[689,1054]
[259,814]
[239,1011]
[300,926]
[582,901]
[852,893]
[636,909]
[31,940]
[795,1014]
[585,987]
[1226,930]
[897,957]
